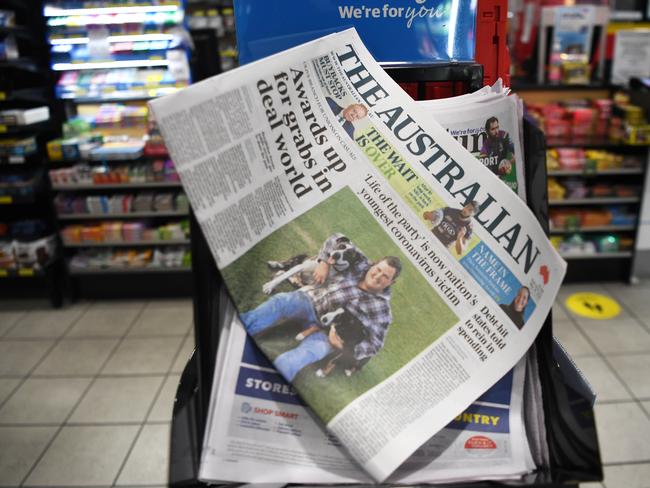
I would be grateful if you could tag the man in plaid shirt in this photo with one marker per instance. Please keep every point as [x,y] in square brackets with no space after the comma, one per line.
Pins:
[364,290]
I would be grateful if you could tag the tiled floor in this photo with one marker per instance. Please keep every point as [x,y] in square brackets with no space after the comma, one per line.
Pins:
[86,392]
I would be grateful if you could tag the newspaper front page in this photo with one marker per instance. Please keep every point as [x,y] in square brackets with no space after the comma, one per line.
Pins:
[335,206]
[488,128]
[260,431]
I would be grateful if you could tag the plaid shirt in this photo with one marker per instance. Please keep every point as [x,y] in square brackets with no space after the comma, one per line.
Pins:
[342,290]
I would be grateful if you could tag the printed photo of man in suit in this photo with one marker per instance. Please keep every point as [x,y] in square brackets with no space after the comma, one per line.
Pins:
[348,115]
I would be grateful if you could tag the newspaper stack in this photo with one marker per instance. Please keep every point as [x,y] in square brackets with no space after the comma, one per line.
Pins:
[384,271]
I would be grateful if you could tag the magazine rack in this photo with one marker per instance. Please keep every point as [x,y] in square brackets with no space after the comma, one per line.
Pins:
[570,427]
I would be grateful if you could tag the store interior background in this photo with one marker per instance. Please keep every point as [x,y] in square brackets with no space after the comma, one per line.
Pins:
[96,319]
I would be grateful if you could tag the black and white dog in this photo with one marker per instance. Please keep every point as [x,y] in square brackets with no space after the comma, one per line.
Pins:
[351,332]
[299,270]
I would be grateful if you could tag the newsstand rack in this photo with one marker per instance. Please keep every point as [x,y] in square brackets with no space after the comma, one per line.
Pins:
[570,426]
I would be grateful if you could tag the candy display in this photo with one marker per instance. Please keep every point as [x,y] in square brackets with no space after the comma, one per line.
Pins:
[590,161]
[136,258]
[145,172]
[584,218]
[117,231]
[600,120]
[67,204]
[581,245]
[574,188]
[17,147]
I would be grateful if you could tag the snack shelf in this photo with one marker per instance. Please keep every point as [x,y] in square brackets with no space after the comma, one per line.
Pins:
[158,36]
[601,228]
[553,142]
[601,172]
[133,270]
[594,201]
[118,186]
[599,255]
[129,215]
[157,242]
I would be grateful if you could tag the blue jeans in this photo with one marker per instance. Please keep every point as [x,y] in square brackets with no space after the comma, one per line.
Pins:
[289,306]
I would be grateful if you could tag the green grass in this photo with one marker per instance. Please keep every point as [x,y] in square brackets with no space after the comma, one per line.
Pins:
[419,314]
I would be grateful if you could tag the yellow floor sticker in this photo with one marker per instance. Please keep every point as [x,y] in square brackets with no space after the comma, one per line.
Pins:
[593,305]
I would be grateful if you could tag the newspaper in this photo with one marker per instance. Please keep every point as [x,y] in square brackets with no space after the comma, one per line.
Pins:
[422,282]
[488,127]
[264,433]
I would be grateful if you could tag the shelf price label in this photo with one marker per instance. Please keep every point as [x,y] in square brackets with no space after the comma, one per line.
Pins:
[3,128]
[4,273]
[3,96]
[26,272]
[6,200]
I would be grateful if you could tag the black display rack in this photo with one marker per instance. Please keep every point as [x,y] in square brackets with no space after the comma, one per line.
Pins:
[570,426]
[25,82]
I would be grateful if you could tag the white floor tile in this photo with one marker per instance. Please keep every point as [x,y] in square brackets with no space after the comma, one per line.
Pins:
[117,400]
[621,336]
[48,324]
[157,304]
[634,369]
[604,382]
[43,400]
[76,357]
[153,355]
[572,339]
[149,460]
[8,319]
[164,406]
[628,476]
[7,385]
[104,322]
[623,432]
[20,357]
[19,449]
[168,321]
[84,456]
[184,354]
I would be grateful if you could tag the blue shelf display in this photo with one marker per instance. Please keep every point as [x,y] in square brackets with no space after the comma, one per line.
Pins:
[120,51]
[438,31]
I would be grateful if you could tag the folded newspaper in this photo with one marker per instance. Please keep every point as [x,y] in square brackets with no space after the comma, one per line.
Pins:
[385,272]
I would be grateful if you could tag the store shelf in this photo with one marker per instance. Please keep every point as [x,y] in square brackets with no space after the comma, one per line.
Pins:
[36,95]
[129,215]
[142,270]
[131,63]
[586,143]
[6,130]
[594,201]
[17,199]
[600,255]
[524,86]
[118,186]
[601,172]
[21,273]
[114,39]
[25,64]
[602,228]
[52,11]
[158,242]
[19,161]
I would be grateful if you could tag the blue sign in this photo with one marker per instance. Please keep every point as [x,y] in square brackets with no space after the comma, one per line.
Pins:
[394,31]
